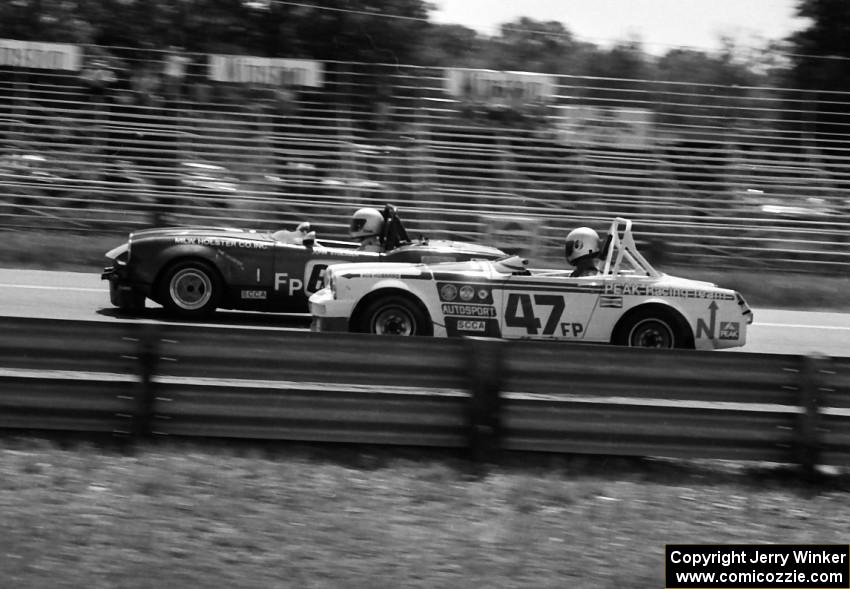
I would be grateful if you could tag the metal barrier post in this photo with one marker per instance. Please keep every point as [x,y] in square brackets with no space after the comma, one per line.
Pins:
[484,413]
[148,355]
[808,445]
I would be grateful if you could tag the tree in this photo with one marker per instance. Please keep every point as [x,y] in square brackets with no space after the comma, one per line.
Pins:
[707,93]
[451,46]
[533,46]
[353,30]
[620,74]
[821,68]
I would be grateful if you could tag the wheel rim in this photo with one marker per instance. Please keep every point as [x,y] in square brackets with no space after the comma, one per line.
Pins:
[393,321]
[190,289]
[651,333]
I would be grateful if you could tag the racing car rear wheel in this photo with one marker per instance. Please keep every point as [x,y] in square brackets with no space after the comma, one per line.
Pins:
[651,328]
[394,315]
[190,288]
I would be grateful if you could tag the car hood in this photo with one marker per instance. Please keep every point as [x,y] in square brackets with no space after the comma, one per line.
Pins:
[203,231]
[200,234]
[439,246]
[407,269]
[668,281]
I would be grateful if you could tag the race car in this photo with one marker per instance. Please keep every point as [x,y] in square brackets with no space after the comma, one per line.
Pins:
[628,303]
[191,271]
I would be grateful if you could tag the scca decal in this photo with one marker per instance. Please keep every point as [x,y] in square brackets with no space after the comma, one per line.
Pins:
[457,326]
[472,325]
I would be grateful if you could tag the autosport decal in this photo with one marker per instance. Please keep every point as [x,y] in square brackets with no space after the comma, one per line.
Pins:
[648,290]
[221,242]
[468,310]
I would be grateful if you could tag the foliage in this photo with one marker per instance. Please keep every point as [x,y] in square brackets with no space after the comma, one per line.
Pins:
[822,51]
[356,33]
[399,32]
[821,64]
[389,31]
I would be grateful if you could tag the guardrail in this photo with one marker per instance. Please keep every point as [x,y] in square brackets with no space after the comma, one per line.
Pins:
[173,380]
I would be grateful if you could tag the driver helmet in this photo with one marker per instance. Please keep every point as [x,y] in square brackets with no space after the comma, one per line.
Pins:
[581,242]
[366,223]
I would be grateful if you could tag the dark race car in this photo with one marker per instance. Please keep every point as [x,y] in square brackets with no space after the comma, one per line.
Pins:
[191,271]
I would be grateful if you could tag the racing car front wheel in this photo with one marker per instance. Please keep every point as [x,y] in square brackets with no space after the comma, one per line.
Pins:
[651,328]
[190,289]
[394,315]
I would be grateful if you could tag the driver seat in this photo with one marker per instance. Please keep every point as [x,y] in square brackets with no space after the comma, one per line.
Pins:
[393,233]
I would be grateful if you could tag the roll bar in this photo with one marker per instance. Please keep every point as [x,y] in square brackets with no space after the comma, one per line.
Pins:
[621,243]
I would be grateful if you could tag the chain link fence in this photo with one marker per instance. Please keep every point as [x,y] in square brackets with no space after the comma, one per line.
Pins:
[711,175]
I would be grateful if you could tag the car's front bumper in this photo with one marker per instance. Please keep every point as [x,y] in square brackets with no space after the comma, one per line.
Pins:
[329,324]
[122,292]
[329,314]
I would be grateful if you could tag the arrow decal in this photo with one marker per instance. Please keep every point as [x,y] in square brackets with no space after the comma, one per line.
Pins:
[708,329]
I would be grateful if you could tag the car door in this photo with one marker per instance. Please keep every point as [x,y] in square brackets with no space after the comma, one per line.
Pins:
[246,266]
[299,272]
[548,306]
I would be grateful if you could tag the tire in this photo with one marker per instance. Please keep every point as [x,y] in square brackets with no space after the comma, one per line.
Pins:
[394,315]
[190,289]
[651,328]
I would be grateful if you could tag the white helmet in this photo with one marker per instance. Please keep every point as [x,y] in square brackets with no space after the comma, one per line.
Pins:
[366,223]
[581,242]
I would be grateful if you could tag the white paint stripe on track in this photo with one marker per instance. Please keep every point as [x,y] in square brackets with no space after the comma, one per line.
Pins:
[799,326]
[35,287]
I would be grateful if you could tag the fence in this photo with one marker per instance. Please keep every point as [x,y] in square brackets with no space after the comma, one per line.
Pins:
[485,395]
[707,172]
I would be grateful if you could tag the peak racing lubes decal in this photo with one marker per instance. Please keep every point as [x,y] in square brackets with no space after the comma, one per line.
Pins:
[468,309]
[652,290]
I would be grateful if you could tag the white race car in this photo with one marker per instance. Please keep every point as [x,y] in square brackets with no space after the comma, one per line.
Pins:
[629,303]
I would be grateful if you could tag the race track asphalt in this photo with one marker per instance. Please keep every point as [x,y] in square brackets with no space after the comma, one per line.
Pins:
[84,296]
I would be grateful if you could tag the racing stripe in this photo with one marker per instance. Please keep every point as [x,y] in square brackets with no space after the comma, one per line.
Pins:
[512,285]
[588,289]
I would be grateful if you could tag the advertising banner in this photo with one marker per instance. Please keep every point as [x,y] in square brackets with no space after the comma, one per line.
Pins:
[495,88]
[40,56]
[602,126]
[266,71]
[517,236]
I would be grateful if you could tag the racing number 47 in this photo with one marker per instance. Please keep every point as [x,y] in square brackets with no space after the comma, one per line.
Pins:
[519,312]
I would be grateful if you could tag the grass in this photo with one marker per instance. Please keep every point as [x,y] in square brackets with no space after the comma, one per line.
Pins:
[76,252]
[85,253]
[186,515]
